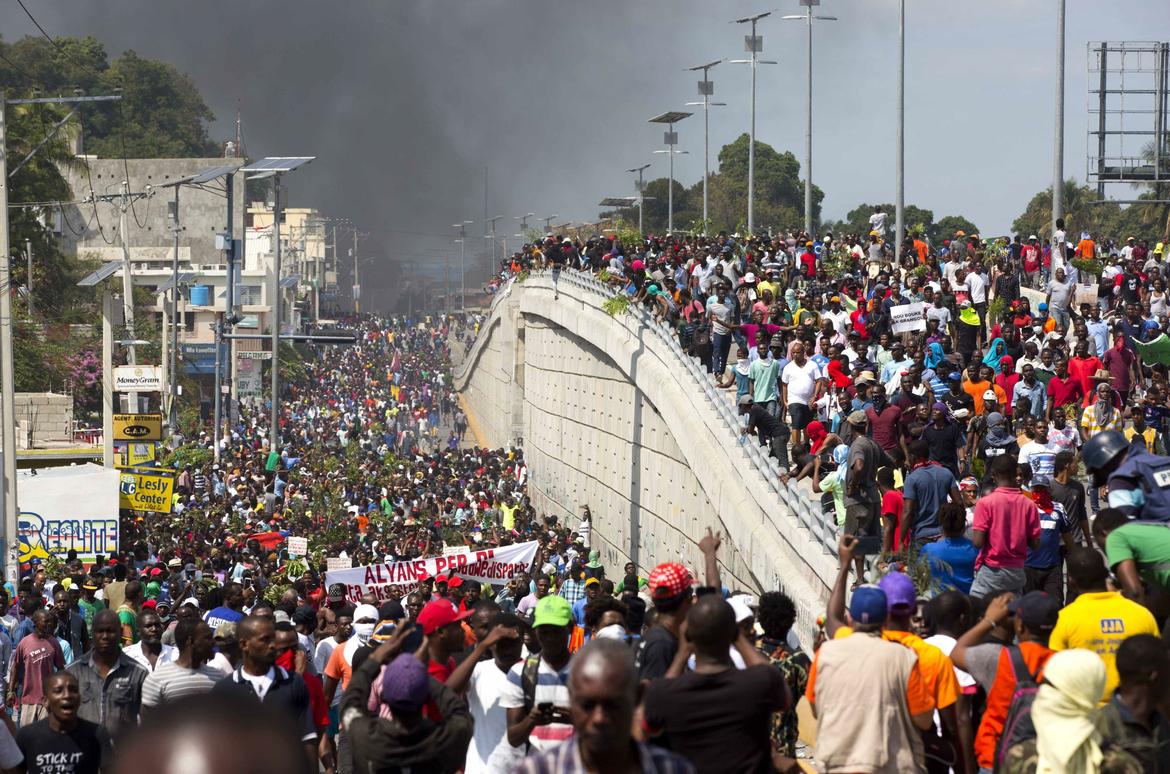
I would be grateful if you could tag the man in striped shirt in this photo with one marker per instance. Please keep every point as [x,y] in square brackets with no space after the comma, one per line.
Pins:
[189,673]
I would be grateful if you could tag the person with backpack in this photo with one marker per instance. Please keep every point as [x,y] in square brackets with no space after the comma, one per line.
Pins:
[536,693]
[1018,672]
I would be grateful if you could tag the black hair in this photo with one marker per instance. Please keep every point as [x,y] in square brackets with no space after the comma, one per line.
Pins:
[1063,460]
[950,610]
[185,631]
[1107,520]
[510,621]
[776,614]
[952,517]
[1004,466]
[1138,656]
[1086,568]
[598,607]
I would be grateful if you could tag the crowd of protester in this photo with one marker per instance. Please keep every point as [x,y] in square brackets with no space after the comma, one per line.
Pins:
[990,613]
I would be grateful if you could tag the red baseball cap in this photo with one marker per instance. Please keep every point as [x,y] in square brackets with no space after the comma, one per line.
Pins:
[455,582]
[668,580]
[439,613]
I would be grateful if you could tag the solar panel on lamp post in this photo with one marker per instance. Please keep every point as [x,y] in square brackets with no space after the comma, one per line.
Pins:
[807,17]
[641,188]
[670,139]
[706,89]
[754,44]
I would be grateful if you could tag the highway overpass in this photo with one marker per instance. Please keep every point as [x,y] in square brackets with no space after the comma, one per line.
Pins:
[610,412]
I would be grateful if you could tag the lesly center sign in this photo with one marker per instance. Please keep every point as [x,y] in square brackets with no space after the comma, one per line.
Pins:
[138,378]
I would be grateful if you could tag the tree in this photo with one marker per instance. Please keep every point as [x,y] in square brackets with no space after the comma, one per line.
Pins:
[949,225]
[1081,213]
[779,191]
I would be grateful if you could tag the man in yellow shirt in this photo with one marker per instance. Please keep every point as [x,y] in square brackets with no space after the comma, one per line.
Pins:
[1099,619]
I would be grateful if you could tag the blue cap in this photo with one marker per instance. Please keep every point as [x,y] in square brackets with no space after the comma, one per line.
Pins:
[868,605]
[1043,307]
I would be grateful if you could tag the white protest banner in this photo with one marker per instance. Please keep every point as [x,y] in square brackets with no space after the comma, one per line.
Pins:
[298,546]
[908,317]
[489,565]
[338,563]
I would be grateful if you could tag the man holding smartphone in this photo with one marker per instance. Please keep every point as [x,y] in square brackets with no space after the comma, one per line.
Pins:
[536,694]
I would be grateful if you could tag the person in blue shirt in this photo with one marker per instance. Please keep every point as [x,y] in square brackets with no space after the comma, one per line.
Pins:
[952,557]
[592,589]
[1044,566]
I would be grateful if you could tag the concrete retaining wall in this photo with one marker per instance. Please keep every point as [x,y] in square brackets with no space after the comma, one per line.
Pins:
[42,416]
[610,414]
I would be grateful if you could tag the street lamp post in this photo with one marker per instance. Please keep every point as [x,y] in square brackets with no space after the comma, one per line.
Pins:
[274,167]
[753,44]
[900,163]
[670,139]
[1058,140]
[523,223]
[807,17]
[641,188]
[706,89]
[462,263]
[548,221]
[492,259]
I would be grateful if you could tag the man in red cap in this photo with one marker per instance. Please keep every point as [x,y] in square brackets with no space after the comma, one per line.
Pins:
[670,588]
[440,623]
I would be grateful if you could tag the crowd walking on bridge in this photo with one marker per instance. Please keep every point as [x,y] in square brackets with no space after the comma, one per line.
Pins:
[990,613]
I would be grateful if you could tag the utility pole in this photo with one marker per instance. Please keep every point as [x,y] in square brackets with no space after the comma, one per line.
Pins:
[1058,139]
[462,263]
[641,187]
[900,162]
[7,378]
[173,366]
[706,89]
[492,264]
[8,400]
[357,285]
[274,427]
[127,288]
[28,279]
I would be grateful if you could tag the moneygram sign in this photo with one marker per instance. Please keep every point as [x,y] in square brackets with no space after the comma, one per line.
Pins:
[138,378]
[146,490]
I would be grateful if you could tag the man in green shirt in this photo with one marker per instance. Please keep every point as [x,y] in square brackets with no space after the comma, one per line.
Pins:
[763,374]
[1139,555]
[89,603]
[128,613]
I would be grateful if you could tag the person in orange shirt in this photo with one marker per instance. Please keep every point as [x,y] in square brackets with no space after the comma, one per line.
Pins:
[937,671]
[1086,248]
[864,666]
[1035,617]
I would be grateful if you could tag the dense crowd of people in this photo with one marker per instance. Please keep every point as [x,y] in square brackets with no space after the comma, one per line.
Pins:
[990,613]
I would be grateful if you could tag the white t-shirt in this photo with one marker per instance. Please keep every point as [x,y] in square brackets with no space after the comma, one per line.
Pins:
[551,687]
[260,683]
[1040,457]
[801,381]
[489,751]
[946,644]
[165,656]
[978,286]
[877,222]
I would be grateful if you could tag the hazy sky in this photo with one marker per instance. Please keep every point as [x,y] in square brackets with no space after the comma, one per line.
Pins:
[405,103]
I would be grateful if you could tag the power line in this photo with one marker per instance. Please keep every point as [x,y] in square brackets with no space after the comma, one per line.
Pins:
[17,68]
[36,23]
[89,178]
